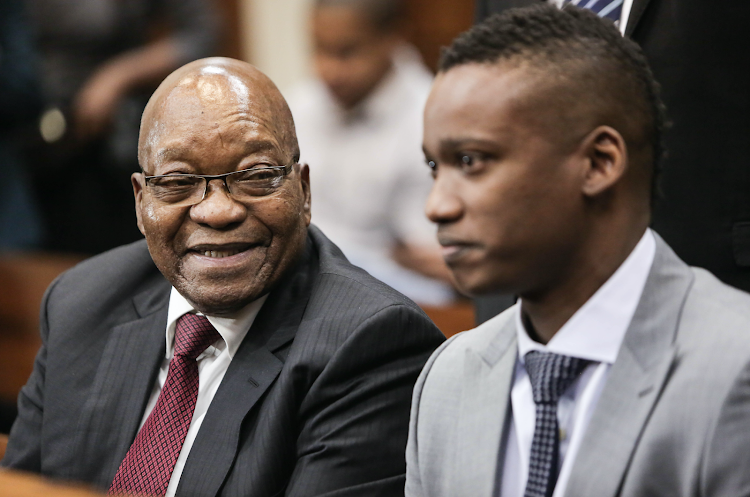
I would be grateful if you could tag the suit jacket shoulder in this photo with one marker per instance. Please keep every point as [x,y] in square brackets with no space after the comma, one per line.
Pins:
[673,401]
[104,282]
[459,407]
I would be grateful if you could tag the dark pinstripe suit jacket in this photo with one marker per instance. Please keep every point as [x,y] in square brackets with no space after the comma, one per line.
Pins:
[315,402]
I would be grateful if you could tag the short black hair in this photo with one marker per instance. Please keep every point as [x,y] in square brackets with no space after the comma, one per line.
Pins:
[612,66]
[385,15]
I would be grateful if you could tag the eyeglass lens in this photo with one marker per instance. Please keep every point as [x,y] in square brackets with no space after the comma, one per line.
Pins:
[186,189]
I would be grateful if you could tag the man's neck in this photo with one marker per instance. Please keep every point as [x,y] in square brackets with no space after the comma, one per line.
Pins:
[545,312]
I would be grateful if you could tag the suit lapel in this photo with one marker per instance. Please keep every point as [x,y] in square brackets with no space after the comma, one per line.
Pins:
[636,12]
[487,380]
[635,381]
[123,383]
[250,374]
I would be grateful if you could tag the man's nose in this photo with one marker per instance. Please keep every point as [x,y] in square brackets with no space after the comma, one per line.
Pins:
[218,209]
[444,204]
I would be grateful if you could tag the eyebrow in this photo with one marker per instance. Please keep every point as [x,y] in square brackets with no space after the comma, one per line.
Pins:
[451,144]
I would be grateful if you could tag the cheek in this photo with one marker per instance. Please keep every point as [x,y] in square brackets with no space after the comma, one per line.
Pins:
[161,226]
[148,213]
[282,215]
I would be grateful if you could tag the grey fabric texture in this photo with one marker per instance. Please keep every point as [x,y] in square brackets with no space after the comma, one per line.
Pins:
[672,419]
[315,401]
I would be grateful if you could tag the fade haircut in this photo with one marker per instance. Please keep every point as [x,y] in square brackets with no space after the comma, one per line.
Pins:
[588,55]
[384,15]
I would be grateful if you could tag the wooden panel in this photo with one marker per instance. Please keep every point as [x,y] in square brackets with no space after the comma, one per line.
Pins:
[14,484]
[3,444]
[23,280]
[452,319]
[432,24]
[230,44]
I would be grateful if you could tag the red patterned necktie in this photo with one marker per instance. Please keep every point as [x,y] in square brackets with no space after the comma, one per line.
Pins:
[149,463]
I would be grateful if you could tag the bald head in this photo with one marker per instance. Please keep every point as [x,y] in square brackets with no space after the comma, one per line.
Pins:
[226,87]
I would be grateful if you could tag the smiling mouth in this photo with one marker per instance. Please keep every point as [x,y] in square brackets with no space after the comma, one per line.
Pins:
[220,252]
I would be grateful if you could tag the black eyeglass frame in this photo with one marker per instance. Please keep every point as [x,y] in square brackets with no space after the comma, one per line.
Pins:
[210,177]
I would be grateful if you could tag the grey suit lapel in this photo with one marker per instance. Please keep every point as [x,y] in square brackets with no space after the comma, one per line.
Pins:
[635,380]
[636,12]
[258,362]
[123,383]
[487,380]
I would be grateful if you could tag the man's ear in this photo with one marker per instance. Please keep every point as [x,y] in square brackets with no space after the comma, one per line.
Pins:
[137,180]
[304,173]
[607,158]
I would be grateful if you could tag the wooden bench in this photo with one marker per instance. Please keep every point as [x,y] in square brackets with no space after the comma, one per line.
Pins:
[453,318]
[14,484]
[23,280]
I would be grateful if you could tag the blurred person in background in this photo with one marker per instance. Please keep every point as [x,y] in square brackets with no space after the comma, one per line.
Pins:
[359,125]
[100,60]
[20,102]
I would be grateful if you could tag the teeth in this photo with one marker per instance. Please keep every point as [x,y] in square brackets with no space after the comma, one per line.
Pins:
[219,254]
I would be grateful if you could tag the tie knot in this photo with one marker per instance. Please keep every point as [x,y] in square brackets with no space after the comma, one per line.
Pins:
[608,9]
[552,374]
[193,334]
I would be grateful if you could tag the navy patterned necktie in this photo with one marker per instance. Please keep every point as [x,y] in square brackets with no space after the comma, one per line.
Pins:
[610,9]
[148,465]
[550,374]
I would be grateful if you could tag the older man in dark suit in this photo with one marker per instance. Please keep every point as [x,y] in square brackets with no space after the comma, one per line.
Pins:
[698,53]
[235,351]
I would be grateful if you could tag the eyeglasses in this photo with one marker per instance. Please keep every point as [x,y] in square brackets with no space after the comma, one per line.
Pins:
[190,189]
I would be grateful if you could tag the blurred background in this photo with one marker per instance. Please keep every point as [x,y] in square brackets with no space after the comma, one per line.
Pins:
[74,78]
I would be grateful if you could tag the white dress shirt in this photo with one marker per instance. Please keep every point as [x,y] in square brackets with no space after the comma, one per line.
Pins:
[595,332]
[627,6]
[212,365]
[368,174]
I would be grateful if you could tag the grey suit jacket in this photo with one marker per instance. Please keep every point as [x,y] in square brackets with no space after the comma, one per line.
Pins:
[315,401]
[673,418]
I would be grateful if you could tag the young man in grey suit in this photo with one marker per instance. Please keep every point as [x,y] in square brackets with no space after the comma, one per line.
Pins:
[621,371]
[235,351]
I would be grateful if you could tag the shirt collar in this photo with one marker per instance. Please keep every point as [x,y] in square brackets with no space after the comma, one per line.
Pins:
[232,328]
[596,331]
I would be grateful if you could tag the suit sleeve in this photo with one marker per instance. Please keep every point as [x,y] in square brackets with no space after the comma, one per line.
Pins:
[24,445]
[726,464]
[354,420]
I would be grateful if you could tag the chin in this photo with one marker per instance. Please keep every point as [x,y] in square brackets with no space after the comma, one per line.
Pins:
[478,285]
[217,300]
